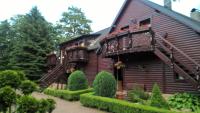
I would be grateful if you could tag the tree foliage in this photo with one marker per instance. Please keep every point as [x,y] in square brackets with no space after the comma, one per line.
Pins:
[25,40]
[34,42]
[156,98]
[73,23]
[6,37]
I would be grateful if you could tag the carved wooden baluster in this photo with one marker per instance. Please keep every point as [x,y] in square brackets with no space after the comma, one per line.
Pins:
[106,46]
[172,57]
[198,73]
[118,44]
[198,76]
[77,54]
[130,42]
[153,41]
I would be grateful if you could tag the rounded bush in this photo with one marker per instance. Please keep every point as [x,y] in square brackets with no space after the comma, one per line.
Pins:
[77,81]
[51,105]
[27,87]
[27,104]
[21,75]
[9,78]
[7,97]
[104,84]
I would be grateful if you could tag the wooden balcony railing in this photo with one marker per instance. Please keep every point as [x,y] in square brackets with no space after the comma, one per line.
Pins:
[51,59]
[76,54]
[128,41]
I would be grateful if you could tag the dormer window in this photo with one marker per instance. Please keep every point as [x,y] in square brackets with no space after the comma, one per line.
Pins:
[145,23]
[125,27]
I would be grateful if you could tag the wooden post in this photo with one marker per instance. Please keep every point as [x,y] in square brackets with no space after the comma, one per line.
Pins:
[130,40]
[106,46]
[153,41]
[198,74]
[172,57]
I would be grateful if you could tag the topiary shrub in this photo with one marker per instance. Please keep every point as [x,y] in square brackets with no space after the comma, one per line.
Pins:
[156,98]
[21,75]
[51,105]
[27,87]
[43,106]
[9,78]
[27,104]
[7,98]
[104,84]
[77,81]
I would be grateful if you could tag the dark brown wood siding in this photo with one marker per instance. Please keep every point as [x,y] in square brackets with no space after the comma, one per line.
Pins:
[105,64]
[96,64]
[183,37]
[90,68]
[152,70]
[145,71]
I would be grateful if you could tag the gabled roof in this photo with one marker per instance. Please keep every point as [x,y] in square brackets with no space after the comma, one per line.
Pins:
[78,38]
[195,25]
[96,43]
[98,35]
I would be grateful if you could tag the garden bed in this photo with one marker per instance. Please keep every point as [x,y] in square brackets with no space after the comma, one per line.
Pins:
[117,106]
[66,94]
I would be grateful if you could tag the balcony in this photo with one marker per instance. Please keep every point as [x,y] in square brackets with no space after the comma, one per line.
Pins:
[77,54]
[128,41]
[51,59]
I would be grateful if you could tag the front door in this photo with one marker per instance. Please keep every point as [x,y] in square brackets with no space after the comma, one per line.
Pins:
[118,73]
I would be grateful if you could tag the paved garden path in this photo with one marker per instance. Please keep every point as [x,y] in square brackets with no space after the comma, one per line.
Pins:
[63,106]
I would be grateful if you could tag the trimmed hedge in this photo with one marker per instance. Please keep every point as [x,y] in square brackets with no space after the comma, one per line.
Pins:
[66,94]
[117,106]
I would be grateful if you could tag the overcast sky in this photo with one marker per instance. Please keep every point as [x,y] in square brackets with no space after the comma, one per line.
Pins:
[101,12]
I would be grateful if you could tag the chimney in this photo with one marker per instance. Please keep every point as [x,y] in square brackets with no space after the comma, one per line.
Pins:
[195,14]
[168,4]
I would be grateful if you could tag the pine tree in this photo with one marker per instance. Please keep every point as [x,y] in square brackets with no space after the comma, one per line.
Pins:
[157,99]
[6,34]
[34,41]
[73,23]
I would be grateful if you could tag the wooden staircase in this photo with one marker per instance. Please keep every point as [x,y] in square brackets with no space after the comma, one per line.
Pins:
[52,76]
[187,67]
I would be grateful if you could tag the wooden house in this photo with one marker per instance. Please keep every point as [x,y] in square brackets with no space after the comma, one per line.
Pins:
[146,44]
[80,53]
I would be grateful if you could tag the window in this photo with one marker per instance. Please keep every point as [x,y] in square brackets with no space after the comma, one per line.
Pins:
[125,27]
[145,23]
[178,77]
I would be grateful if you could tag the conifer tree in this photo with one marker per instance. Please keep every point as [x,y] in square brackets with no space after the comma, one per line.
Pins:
[6,35]
[73,23]
[34,41]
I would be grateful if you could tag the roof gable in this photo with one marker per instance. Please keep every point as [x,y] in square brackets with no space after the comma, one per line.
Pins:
[195,25]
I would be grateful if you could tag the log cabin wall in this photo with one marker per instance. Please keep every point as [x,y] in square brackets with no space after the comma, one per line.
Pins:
[96,64]
[105,64]
[90,68]
[149,70]
[182,36]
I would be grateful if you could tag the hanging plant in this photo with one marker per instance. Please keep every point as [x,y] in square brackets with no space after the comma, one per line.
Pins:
[119,65]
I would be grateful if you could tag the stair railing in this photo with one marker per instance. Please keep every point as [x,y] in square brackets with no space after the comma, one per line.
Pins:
[47,76]
[172,48]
